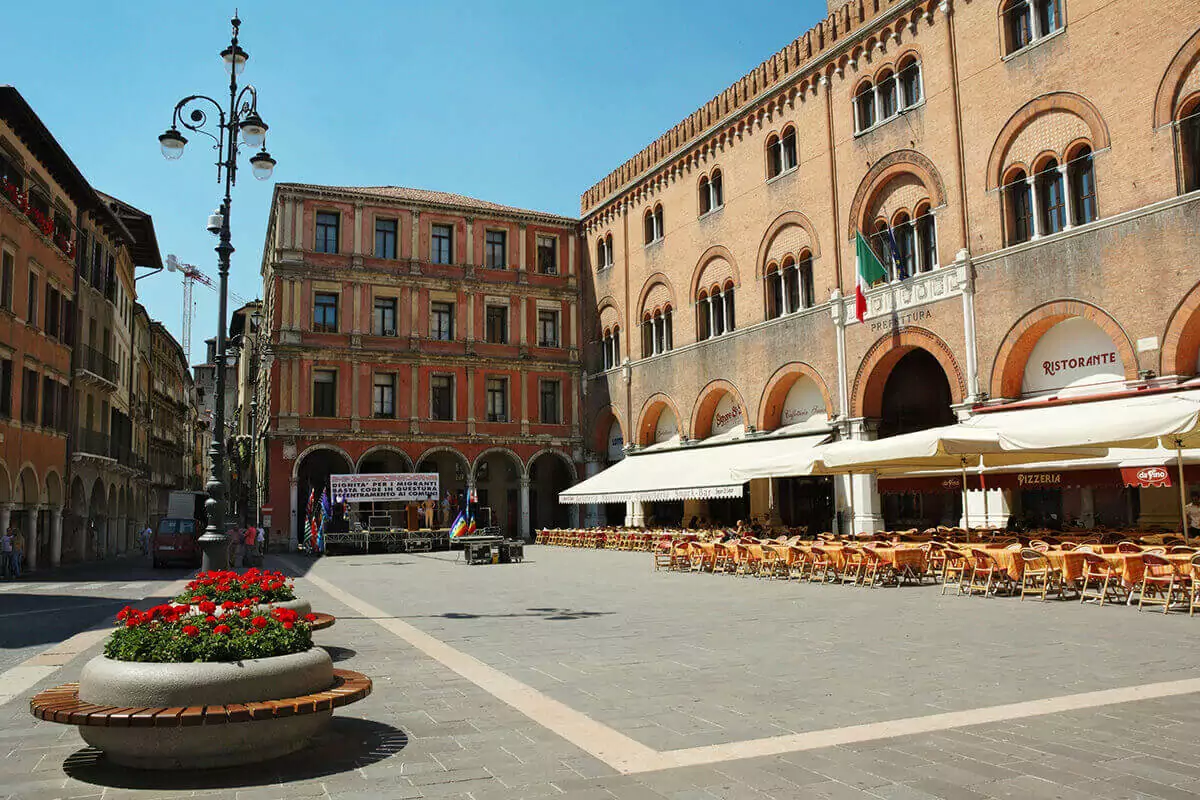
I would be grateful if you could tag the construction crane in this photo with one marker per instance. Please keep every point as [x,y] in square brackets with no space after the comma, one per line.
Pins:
[191,275]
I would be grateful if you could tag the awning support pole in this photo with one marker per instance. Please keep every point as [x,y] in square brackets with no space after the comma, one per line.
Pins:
[850,483]
[1182,491]
[966,515]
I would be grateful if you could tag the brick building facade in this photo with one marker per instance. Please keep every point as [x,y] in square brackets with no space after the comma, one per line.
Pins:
[1038,172]
[411,330]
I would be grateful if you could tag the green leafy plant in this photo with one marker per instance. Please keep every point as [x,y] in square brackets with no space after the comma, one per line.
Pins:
[206,632]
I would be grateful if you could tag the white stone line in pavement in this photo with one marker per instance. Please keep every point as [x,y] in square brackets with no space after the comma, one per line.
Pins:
[87,587]
[610,746]
[136,585]
[856,734]
[629,756]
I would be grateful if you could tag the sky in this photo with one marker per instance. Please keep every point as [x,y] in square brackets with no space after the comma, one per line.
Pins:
[523,103]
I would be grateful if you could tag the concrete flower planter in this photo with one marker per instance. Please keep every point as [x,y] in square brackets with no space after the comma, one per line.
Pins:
[298,605]
[125,684]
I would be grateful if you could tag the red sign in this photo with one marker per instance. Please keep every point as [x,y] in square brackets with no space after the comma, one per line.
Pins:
[1159,477]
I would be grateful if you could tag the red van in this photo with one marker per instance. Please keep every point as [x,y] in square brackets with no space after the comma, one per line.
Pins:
[176,540]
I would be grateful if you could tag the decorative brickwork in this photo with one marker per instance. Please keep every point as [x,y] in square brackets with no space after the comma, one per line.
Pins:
[1181,343]
[706,404]
[1054,130]
[876,186]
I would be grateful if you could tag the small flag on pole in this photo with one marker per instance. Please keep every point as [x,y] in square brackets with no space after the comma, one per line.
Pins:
[459,528]
[869,271]
[901,269]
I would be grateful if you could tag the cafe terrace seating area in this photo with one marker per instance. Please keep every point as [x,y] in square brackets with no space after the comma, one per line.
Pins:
[1157,571]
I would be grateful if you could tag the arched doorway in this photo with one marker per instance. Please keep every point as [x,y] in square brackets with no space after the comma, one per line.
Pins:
[312,478]
[452,469]
[386,513]
[917,396]
[498,474]
[28,496]
[74,529]
[550,472]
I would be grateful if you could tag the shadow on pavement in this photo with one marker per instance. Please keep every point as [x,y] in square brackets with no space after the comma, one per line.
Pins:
[339,653]
[36,619]
[346,745]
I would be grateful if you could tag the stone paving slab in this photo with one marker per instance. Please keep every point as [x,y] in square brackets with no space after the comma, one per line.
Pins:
[676,660]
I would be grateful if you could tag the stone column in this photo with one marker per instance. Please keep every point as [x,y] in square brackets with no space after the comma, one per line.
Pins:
[5,516]
[523,525]
[635,514]
[1068,209]
[31,542]
[592,513]
[1034,207]
[864,488]
[1087,506]
[56,532]
[712,318]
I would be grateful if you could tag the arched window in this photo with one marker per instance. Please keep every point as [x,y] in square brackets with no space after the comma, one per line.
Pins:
[606,349]
[727,297]
[774,292]
[1020,208]
[804,271]
[881,244]
[888,105]
[774,156]
[716,189]
[1051,206]
[716,302]
[1189,145]
[647,336]
[608,250]
[1027,21]
[864,106]
[1081,172]
[668,332]
[791,286]
[648,224]
[703,318]
[909,74]
[905,245]
[601,254]
[658,222]
[705,196]
[926,225]
[788,148]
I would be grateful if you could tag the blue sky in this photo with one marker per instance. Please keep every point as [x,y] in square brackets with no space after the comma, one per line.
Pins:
[524,103]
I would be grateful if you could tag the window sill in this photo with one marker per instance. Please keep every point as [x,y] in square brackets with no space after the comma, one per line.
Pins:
[1033,44]
[898,115]
[782,175]
[712,212]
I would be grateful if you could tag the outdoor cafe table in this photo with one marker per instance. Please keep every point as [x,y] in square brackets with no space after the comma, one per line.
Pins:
[1070,562]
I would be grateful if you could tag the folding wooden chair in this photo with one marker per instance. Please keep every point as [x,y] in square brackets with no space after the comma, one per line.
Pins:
[984,571]
[1038,576]
[956,566]
[1161,585]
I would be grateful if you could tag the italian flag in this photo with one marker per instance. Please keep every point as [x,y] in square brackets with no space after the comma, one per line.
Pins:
[869,271]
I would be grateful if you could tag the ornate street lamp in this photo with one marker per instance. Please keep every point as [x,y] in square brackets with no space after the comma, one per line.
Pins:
[242,117]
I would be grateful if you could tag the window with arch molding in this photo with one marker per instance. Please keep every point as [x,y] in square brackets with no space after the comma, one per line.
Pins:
[715,311]
[790,285]
[893,92]
[781,152]
[612,347]
[657,334]
[604,253]
[1060,194]
[1188,126]
[653,223]
[925,238]
[1026,22]
[908,245]
[712,195]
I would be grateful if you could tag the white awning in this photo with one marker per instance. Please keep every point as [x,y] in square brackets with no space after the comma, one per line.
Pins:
[1132,421]
[694,472]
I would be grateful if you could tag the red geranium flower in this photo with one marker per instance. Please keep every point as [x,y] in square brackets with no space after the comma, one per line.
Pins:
[191,630]
[132,623]
[259,622]
[245,612]
[310,617]
[210,619]
[221,629]
[287,626]
[207,607]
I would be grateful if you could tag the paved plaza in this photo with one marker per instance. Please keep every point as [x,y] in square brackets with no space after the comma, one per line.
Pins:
[585,674]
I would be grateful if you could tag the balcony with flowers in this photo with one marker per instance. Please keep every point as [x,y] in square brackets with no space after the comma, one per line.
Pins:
[57,233]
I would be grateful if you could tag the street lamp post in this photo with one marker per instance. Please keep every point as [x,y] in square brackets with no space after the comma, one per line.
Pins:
[241,116]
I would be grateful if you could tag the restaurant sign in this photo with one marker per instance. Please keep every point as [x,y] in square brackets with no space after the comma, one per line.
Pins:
[616,442]
[1147,477]
[1073,353]
[726,416]
[804,403]
[382,486]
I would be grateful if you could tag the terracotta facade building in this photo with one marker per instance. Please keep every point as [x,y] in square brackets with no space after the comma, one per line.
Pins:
[410,330]
[1038,173]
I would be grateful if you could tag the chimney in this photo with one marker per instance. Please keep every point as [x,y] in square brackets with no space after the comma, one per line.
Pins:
[211,344]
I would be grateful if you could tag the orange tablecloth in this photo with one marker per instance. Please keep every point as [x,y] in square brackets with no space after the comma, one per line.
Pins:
[903,558]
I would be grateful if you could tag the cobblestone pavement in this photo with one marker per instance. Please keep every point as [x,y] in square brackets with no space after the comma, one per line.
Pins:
[687,668]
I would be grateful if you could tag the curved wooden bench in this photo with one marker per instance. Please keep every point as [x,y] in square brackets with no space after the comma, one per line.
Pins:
[322,621]
[62,704]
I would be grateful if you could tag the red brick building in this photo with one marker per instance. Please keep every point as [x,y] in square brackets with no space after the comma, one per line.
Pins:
[1040,171]
[412,330]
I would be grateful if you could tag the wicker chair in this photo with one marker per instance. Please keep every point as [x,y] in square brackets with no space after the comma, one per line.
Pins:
[824,568]
[1099,573]
[855,567]
[956,568]
[1161,585]
[1038,576]
[985,573]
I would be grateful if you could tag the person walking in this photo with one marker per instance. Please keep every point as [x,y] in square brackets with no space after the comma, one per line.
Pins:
[18,552]
[147,539]
[6,554]
[1192,510]
[261,543]
[249,540]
